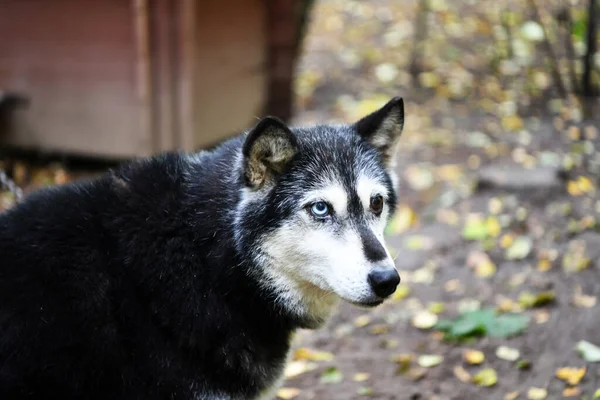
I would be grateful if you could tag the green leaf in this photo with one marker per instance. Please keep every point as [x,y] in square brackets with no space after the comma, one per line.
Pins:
[466,327]
[443,325]
[520,248]
[507,325]
[580,28]
[475,229]
[332,375]
[589,351]
[483,322]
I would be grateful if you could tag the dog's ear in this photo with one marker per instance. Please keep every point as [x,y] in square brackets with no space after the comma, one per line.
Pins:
[383,128]
[268,149]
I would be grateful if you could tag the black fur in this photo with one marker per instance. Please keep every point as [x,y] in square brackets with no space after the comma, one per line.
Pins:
[137,285]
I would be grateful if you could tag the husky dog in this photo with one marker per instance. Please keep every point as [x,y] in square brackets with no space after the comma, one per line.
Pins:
[184,276]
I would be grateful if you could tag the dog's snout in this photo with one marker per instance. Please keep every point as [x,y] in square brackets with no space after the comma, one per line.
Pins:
[384,281]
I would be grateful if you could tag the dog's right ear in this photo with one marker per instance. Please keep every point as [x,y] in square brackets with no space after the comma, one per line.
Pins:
[268,149]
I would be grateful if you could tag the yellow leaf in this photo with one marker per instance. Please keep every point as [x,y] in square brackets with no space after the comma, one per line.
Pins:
[473,357]
[296,368]
[571,392]
[535,393]
[495,205]
[493,226]
[436,307]
[485,270]
[450,172]
[362,321]
[507,353]
[429,79]
[512,123]
[596,394]
[402,292]
[571,375]
[544,265]
[462,374]
[507,240]
[507,305]
[581,300]
[573,188]
[446,216]
[542,316]
[585,184]
[361,377]
[486,377]
[424,320]
[379,329]
[287,393]
[429,360]
[511,395]
[404,361]
[404,219]
[304,353]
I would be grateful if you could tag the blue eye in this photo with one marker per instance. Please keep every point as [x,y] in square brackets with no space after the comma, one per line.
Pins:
[319,209]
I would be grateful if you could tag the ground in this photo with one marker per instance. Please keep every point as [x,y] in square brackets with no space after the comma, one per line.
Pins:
[499,206]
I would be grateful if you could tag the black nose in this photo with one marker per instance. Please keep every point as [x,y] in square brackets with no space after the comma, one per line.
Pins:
[384,281]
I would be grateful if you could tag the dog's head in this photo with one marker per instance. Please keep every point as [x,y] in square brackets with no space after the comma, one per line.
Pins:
[314,208]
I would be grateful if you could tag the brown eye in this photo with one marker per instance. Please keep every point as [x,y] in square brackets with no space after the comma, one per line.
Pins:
[376,204]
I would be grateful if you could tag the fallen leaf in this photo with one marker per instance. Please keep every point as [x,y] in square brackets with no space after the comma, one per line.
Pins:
[362,321]
[571,375]
[507,240]
[484,267]
[535,393]
[507,353]
[542,316]
[416,373]
[287,393]
[360,377]
[520,248]
[523,364]
[571,392]
[424,320]
[530,300]
[486,377]
[379,329]
[295,368]
[475,228]
[402,292]
[589,351]
[304,353]
[533,31]
[365,391]
[386,72]
[511,395]
[493,227]
[462,374]
[544,265]
[332,375]
[473,357]
[581,300]
[436,307]
[429,360]
[404,362]
[404,218]
[418,242]
[419,177]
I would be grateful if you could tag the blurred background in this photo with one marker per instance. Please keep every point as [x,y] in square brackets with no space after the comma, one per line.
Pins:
[497,234]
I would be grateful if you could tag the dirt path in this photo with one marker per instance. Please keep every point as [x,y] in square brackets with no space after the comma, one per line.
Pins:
[478,140]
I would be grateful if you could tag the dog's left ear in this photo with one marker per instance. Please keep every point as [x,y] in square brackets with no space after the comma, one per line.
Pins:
[268,149]
[383,128]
